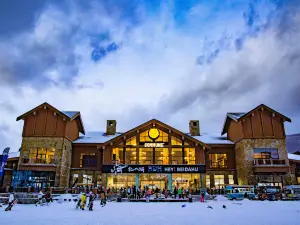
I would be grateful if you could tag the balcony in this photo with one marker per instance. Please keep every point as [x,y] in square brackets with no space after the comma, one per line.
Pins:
[218,165]
[38,161]
[270,165]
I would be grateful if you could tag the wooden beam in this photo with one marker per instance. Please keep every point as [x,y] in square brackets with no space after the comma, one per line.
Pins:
[262,124]
[45,121]
[272,124]
[252,132]
[55,127]
[170,147]
[34,125]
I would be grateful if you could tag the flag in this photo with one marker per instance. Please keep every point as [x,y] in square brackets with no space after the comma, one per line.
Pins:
[3,159]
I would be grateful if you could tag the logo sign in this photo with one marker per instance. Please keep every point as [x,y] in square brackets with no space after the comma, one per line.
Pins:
[3,159]
[154,145]
[153,133]
[119,169]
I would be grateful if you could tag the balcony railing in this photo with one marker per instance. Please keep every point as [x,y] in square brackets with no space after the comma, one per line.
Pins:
[38,161]
[269,162]
[215,165]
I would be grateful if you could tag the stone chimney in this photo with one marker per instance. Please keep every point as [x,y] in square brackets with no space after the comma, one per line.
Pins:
[111,127]
[194,128]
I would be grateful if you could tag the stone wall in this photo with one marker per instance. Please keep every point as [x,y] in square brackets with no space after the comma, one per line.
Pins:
[244,157]
[63,153]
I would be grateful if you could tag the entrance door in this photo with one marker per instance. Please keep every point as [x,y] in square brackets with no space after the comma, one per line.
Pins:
[154,181]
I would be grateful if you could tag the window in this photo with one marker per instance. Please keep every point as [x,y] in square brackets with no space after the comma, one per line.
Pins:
[162,156]
[87,179]
[207,181]
[89,161]
[219,180]
[99,180]
[230,179]
[298,180]
[175,141]
[130,156]
[86,161]
[120,180]
[177,156]
[118,155]
[146,156]
[75,179]
[144,137]
[189,156]
[266,153]
[218,160]
[131,141]
[41,155]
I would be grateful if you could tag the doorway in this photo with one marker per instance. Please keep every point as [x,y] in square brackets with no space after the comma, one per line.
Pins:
[154,181]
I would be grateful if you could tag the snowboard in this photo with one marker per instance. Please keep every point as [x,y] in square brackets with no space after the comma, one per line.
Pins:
[11,205]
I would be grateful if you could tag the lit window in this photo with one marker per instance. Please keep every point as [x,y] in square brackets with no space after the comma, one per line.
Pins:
[117,155]
[189,156]
[130,156]
[219,180]
[298,180]
[146,156]
[87,179]
[230,179]
[207,181]
[41,155]
[131,141]
[177,156]
[218,160]
[162,156]
[266,153]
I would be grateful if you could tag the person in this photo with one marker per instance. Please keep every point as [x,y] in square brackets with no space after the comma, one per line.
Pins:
[148,193]
[134,192]
[79,200]
[138,192]
[128,192]
[183,193]
[156,192]
[179,192]
[202,196]
[175,192]
[103,199]
[11,201]
[83,201]
[92,197]
[166,193]
[40,198]
[48,197]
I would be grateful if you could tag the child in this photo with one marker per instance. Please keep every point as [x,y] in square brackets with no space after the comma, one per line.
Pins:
[91,201]
[79,200]
[83,201]
[103,199]
[202,196]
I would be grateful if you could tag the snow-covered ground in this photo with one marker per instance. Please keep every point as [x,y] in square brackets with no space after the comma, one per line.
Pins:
[237,213]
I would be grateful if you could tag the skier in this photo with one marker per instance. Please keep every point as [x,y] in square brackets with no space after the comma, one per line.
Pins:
[78,200]
[148,193]
[175,192]
[103,199]
[48,197]
[11,201]
[83,201]
[92,197]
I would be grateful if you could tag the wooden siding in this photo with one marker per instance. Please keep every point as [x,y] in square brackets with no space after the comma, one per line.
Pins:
[235,131]
[78,149]
[72,130]
[221,150]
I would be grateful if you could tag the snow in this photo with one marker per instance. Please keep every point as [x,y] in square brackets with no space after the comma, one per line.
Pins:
[242,212]
[70,114]
[293,156]
[235,116]
[213,138]
[95,137]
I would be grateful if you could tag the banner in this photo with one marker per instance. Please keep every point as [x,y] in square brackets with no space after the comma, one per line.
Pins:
[3,159]
[153,168]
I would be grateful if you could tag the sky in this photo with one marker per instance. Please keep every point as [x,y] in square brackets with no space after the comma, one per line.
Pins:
[134,60]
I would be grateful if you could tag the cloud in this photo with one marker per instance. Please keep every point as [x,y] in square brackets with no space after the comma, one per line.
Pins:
[149,63]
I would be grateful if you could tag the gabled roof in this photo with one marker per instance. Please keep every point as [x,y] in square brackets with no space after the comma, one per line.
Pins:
[68,115]
[95,138]
[240,116]
[160,124]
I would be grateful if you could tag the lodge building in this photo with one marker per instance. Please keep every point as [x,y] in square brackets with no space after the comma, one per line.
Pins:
[57,151]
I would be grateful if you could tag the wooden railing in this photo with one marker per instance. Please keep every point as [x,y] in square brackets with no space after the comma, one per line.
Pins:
[38,161]
[269,162]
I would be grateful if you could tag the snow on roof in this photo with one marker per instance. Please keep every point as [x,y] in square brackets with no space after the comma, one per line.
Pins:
[293,156]
[235,116]
[212,138]
[95,137]
[13,154]
[70,114]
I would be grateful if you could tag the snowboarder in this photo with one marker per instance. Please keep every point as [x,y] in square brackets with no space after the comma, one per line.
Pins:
[148,193]
[40,198]
[103,199]
[11,201]
[78,200]
[92,197]
[83,201]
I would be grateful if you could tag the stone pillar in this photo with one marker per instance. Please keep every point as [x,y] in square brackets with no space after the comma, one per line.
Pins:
[137,180]
[170,181]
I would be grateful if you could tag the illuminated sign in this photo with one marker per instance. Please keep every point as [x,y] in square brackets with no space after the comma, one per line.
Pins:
[153,133]
[154,145]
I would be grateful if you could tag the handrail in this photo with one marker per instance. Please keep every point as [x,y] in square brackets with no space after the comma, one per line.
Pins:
[268,162]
